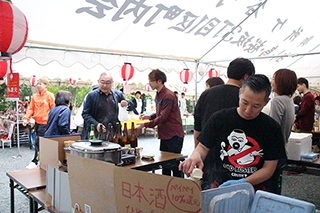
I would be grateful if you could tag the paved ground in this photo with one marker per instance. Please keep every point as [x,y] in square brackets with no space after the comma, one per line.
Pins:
[303,186]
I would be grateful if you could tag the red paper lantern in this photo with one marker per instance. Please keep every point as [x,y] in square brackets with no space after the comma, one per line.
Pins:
[33,80]
[4,67]
[213,73]
[72,81]
[13,29]
[147,87]
[186,76]
[127,71]
[184,89]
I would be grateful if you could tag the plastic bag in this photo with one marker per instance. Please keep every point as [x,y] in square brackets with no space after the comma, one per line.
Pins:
[123,115]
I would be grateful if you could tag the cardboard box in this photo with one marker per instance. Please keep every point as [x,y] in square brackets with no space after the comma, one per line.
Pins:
[51,150]
[62,198]
[50,175]
[299,144]
[58,190]
[98,186]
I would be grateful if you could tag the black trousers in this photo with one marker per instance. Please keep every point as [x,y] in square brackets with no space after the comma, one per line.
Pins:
[172,145]
[39,130]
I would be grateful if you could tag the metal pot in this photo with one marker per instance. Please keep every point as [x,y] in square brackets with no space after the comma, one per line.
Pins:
[98,150]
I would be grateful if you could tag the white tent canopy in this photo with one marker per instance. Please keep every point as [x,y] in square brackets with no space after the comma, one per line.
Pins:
[82,38]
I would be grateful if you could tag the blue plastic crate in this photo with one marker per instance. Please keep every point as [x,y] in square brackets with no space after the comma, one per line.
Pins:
[265,202]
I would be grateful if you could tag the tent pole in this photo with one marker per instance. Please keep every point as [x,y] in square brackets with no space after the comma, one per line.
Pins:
[196,83]
[18,140]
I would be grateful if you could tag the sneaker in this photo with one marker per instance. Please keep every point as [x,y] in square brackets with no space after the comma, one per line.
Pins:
[32,165]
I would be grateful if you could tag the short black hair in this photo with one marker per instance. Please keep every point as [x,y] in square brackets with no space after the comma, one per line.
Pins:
[303,81]
[317,98]
[175,92]
[258,83]
[182,93]
[138,92]
[62,98]
[240,67]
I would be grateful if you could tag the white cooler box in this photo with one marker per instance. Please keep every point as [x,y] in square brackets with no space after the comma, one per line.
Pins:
[299,144]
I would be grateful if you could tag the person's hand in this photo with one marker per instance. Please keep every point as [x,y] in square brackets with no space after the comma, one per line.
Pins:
[101,128]
[189,164]
[124,103]
[233,182]
[140,126]
[144,117]
[24,123]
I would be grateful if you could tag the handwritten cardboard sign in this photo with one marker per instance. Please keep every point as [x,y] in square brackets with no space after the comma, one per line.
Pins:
[118,189]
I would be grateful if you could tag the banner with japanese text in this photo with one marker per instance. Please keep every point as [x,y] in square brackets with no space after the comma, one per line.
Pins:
[13,86]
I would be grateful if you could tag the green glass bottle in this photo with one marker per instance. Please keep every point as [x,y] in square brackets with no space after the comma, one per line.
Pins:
[92,136]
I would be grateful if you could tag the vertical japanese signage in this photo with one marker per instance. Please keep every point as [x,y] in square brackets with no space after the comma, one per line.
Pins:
[13,86]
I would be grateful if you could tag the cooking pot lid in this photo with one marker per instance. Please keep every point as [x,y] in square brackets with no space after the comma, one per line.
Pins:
[105,146]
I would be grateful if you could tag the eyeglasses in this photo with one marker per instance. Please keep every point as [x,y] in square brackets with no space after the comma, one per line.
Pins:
[105,82]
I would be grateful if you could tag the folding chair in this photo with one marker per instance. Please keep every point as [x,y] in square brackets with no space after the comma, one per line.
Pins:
[8,140]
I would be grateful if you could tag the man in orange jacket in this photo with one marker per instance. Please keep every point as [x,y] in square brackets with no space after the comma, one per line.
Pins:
[41,103]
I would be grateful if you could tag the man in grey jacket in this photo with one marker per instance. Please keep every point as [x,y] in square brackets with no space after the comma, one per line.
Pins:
[101,106]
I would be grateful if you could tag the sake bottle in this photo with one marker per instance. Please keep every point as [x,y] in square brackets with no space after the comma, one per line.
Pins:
[124,137]
[133,137]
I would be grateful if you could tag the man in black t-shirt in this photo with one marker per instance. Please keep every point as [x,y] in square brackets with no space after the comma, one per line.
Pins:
[222,96]
[246,143]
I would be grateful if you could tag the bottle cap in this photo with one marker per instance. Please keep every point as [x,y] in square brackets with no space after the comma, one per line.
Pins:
[196,174]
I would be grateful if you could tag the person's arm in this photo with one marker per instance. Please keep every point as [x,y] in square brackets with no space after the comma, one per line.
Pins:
[276,110]
[142,107]
[29,112]
[165,112]
[120,98]
[51,101]
[262,174]
[195,136]
[305,107]
[134,102]
[195,160]
[88,110]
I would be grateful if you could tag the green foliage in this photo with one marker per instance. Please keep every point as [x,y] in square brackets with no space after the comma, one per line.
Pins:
[3,95]
[77,94]
[24,91]
[190,106]
[25,94]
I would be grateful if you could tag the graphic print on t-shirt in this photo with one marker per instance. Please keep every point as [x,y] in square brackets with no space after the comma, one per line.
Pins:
[242,151]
